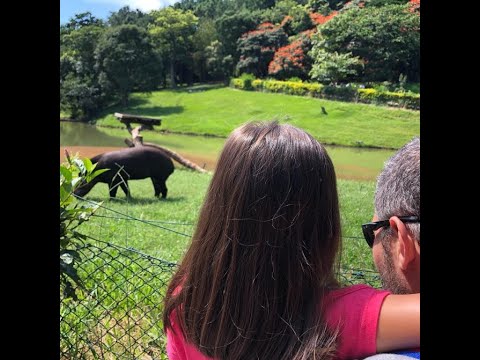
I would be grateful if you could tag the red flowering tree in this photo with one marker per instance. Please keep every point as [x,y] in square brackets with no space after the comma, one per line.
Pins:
[319,19]
[291,60]
[414,6]
[257,48]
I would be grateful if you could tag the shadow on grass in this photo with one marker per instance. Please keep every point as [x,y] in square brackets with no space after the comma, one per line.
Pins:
[198,88]
[158,110]
[154,111]
[136,102]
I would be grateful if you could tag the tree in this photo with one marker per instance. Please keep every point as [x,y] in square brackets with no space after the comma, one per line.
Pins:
[333,67]
[386,38]
[219,65]
[126,16]
[78,46]
[210,9]
[80,93]
[203,37]
[320,6]
[277,13]
[379,3]
[258,47]
[300,19]
[172,31]
[231,26]
[292,60]
[81,97]
[81,20]
[126,61]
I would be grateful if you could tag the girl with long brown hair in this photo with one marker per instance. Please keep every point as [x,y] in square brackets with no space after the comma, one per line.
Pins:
[259,280]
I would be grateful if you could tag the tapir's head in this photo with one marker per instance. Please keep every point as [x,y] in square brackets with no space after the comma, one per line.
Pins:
[83,188]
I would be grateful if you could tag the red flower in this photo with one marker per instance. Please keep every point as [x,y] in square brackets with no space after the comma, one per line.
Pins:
[288,58]
[414,6]
[320,19]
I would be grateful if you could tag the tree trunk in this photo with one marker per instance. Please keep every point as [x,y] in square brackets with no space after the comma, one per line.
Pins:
[172,73]
[125,100]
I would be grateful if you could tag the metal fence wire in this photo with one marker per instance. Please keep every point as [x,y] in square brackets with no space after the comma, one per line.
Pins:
[118,313]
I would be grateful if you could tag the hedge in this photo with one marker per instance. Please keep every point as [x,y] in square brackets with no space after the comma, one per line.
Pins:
[369,96]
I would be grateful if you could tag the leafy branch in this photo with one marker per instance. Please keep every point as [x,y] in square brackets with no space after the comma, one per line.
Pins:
[73,173]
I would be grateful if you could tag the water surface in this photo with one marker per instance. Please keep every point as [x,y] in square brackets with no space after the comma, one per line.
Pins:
[88,140]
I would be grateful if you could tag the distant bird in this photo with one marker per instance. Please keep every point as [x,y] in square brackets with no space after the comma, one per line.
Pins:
[324,111]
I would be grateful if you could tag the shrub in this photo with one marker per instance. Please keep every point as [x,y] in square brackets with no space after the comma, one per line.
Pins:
[398,99]
[340,93]
[247,81]
[72,215]
[349,92]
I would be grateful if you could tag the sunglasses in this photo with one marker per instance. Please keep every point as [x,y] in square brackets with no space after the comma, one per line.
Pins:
[369,228]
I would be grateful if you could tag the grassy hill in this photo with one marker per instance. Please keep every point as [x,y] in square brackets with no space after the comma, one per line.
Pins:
[218,110]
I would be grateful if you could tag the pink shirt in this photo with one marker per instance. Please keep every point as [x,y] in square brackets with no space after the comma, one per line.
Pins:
[355,309]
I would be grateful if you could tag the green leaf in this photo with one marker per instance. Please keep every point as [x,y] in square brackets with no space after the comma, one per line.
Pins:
[64,194]
[94,174]
[67,174]
[88,165]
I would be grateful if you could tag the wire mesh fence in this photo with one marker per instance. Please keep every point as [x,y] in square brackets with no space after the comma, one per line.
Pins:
[118,314]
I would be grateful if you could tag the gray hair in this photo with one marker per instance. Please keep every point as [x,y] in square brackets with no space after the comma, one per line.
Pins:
[398,186]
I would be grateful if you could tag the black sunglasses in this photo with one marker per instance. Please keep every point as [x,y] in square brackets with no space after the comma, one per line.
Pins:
[370,227]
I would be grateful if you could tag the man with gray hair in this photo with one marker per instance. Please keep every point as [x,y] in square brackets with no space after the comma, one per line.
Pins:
[394,234]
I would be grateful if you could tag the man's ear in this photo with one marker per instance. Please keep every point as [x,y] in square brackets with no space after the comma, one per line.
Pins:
[405,246]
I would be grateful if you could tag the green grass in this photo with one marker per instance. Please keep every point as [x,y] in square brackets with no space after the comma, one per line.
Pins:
[180,210]
[125,312]
[217,111]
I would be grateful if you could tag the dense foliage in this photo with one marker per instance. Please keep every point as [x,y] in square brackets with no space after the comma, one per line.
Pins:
[331,41]
[72,215]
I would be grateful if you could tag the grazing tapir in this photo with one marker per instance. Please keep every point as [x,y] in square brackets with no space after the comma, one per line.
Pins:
[133,163]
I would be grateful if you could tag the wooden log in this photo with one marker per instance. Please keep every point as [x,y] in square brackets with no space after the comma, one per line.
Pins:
[137,140]
[127,119]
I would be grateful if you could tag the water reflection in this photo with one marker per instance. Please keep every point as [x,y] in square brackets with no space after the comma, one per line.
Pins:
[77,134]
[87,140]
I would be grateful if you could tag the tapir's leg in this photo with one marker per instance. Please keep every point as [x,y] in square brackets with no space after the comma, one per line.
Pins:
[159,186]
[113,187]
[125,188]
[163,189]
[119,179]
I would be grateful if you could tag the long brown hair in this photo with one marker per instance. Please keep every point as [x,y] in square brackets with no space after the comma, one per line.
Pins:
[264,251]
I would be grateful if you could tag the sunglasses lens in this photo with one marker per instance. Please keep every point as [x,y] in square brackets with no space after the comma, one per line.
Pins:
[371,238]
[368,234]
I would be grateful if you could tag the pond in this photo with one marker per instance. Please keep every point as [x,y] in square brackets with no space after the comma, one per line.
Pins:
[88,140]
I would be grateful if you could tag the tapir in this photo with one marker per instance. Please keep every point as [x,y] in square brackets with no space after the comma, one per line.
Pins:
[139,162]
